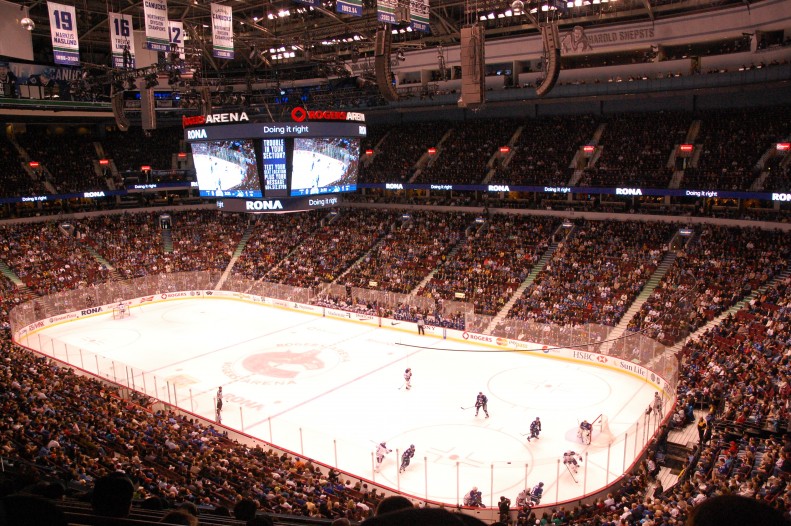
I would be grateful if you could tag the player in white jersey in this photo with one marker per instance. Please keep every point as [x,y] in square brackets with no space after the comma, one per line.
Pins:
[408,378]
[572,460]
[381,451]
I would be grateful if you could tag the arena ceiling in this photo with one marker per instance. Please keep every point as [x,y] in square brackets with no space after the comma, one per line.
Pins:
[320,35]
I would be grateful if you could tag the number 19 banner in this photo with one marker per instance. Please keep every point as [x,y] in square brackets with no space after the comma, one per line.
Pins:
[122,40]
[63,29]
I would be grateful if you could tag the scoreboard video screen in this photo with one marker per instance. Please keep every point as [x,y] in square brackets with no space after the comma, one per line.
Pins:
[255,160]
[226,169]
[324,165]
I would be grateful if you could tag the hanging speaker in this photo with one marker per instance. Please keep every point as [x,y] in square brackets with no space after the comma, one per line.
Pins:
[551,42]
[148,114]
[473,76]
[117,102]
[384,73]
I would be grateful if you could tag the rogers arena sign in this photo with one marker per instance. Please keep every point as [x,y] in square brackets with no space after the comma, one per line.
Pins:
[300,114]
[215,118]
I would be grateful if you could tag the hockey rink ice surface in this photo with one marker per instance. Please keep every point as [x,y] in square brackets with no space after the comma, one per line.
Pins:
[331,389]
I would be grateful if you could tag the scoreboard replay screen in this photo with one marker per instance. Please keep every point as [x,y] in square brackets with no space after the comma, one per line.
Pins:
[280,160]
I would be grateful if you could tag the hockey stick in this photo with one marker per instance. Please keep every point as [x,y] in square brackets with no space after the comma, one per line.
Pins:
[401,386]
[465,408]
[571,473]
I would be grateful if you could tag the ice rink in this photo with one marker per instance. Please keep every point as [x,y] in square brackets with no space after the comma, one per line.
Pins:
[330,389]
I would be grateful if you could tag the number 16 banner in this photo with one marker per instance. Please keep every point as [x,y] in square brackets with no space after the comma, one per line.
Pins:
[122,39]
[63,29]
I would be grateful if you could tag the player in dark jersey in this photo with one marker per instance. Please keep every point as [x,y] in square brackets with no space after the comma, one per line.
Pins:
[406,457]
[481,403]
[535,429]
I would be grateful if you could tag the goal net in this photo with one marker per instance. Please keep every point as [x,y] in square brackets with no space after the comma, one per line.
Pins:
[120,311]
[601,430]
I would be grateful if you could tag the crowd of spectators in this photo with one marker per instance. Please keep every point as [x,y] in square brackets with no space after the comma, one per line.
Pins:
[464,155]
[714,271]
[543,152]
[68,159]
[273,238]
[595,273]
[635,150]
[733,142]
[134,148]
[133,242]
[494,259]
[16,181]
[48,258]
[409,251]
[332,248]
[395,159]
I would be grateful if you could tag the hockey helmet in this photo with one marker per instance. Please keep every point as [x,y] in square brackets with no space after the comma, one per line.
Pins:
[407,370]
[412,446]
[383,444]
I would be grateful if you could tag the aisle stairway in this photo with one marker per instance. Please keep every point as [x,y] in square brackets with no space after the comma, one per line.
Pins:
[114,274]
[637,304]
[167,241]
[538,267]
[248,232]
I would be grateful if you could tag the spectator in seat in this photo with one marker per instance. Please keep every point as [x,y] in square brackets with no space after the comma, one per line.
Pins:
[112,495]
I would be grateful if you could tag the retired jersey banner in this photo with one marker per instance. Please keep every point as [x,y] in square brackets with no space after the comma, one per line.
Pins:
[349,7]
[176,34]
[419,12]
[314,3]
[122,40]
[385,11]
[222,31]
[156,16]
[63,28]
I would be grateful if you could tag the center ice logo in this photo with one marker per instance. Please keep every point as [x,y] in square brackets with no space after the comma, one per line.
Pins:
[286,364]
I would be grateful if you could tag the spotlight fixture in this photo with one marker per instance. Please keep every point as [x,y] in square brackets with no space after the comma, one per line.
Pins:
[28,24]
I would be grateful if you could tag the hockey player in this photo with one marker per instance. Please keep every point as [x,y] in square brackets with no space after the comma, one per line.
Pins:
[480,403]
[536,494]
[570,459]
[535,429]
[585,432]
[421,324]
[381,451]
[658,404]
[406,456]
[474,498]
[522,498]
[408,378]
[219,405]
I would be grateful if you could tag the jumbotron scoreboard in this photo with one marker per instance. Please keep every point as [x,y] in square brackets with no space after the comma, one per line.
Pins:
[285,165]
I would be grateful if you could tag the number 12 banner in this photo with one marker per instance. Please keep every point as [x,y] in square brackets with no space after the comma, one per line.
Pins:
[63,29]
[122,40]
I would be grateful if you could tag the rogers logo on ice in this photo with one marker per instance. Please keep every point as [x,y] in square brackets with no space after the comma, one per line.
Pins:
[476,337]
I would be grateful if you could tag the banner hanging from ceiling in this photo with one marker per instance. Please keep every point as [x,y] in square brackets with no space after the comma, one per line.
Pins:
[349,7]
[419,12]
[176,36]
[63,29]
[122,40]
[222,31]
[156,16]
[385,11]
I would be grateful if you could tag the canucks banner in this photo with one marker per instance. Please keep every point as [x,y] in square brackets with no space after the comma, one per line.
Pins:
[349,7]
[222,31]
[63,29]
[314,3]
[385,11]
[122,39]
[156,16]
[419,12]
[176,34]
